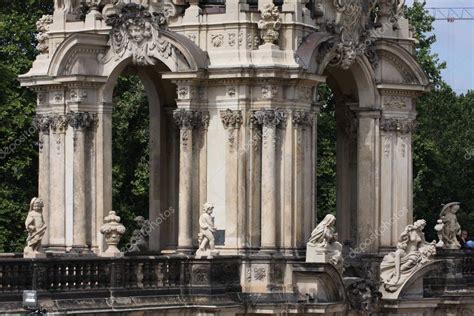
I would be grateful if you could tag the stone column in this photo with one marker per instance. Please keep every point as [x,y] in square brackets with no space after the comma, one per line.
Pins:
[368,179]
[57,233]
[303,221]
[270,119]
[254,148]
[103,175]
[185,119]
[346,166]
[232,120]
[396,177]
[42,124]
[80,121]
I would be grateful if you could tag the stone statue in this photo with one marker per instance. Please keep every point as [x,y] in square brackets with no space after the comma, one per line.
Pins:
[68,6]
[450,228]
[413,252]
[36,228]
[323,246]
[139,240]
[439,231]
[206,233]
[113,231]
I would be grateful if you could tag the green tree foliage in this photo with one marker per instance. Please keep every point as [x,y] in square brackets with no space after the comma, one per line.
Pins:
[444,156]
[422,25]
[326,164]
[130,153]
[18,155]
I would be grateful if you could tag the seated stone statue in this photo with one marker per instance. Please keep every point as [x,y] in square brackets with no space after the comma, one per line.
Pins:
[450,228]
[413,252]
[36,228]
[139,240]
[206,233]
[323,246]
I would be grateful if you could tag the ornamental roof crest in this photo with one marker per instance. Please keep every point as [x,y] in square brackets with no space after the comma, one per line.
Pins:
[137,32]
[353,24]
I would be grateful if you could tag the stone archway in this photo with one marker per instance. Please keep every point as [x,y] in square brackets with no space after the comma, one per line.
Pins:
[376,83]
[75,81]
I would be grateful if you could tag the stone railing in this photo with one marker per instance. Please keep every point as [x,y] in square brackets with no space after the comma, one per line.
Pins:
[93,277]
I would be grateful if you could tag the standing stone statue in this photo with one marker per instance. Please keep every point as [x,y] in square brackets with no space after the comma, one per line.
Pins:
[323,245]
[206,233]
[450,229]
[36,228]
[413,252]
[139,240]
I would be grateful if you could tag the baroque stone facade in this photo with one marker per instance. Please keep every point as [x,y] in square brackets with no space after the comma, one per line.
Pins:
[233,121]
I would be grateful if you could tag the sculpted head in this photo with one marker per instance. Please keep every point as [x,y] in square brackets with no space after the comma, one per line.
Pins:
[138,31]
[452,208]
[208,208]
[329,220]
[140,220]
[36,204]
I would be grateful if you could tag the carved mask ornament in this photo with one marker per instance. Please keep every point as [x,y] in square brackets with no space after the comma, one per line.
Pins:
[136,31]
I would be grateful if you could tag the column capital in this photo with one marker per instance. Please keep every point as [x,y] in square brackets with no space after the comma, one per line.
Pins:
[190,119]
[231,118]
[42,123]
[59,123]
[81,120]
[268,117]
[301,119]
[399,125]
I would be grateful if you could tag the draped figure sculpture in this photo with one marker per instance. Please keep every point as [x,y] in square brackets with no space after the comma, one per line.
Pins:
[36,228]
[450,228]
[323,246]
[207,229]
[413,252]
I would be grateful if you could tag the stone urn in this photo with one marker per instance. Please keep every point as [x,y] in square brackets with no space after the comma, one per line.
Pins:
[113,231]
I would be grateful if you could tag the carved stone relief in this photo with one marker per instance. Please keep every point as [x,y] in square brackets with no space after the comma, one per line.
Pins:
[270,24]
[136,31]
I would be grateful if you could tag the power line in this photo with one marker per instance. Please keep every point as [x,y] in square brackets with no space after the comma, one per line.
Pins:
[452,14]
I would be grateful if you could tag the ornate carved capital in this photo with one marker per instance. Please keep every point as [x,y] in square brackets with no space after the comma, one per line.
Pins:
[231,119]
[59,123]
[190,119]
[42,123]
[302,119]
[268,117]
[184,118]
[81,120]
[403,126]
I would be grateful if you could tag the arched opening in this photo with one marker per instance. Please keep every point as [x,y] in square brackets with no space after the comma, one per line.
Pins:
[337,152]
[145,157]
[342,146]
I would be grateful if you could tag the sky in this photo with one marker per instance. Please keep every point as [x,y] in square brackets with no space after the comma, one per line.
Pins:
[455,45]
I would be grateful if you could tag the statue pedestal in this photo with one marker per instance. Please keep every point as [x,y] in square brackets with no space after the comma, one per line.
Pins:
[314,254]
[209,254]
[34,255]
